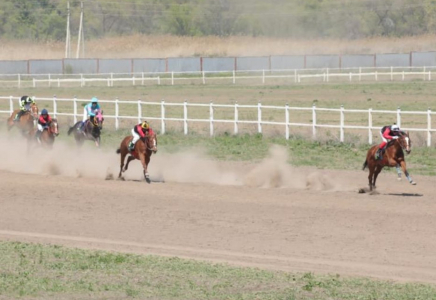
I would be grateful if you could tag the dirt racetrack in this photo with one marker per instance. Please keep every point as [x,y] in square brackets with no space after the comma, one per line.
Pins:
[267,215]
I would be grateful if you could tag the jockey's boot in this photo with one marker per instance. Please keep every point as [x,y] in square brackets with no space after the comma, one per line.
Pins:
[131,146]
[379,155]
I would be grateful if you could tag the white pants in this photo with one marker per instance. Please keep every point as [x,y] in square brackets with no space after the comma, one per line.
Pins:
[85,115]
[41,128]
[136,136]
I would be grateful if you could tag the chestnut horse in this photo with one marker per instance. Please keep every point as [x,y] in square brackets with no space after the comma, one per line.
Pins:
[48,135]
[392,157]
[91,130]
[26,121]
[143,150]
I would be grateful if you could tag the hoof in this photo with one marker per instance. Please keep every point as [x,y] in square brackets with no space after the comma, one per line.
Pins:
[147,179]
[399,178]
[121,178]
[413,183]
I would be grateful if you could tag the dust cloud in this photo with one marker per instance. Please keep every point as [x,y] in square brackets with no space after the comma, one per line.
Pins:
[192,166]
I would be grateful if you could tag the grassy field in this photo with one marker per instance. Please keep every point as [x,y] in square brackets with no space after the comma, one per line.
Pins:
[325,152]
[53,272]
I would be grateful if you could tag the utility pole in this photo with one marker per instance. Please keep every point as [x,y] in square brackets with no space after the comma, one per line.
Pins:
[68,38]
[81,38]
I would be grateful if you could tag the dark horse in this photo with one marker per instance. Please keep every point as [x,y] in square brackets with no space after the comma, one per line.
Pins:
[392,157]
[26,121]
[47,137]
[144,148]
[91,130]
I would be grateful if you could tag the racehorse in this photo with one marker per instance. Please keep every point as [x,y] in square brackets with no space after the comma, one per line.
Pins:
[47,136]
[143,150]
[26,121]
[393,156]
[91,130]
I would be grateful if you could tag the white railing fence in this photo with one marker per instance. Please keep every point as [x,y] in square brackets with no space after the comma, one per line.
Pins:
[236,120]
[212,77]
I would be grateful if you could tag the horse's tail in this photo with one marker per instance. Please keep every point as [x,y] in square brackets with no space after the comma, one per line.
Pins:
[118,150]
[365,164]
[70,130]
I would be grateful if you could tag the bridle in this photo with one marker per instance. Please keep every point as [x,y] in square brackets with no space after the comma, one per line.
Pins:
[404,142]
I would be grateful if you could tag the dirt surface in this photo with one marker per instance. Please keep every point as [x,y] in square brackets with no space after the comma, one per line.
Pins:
[266,214]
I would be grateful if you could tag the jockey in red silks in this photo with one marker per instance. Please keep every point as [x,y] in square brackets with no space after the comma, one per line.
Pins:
[44,121]
[140,130]
[387,133]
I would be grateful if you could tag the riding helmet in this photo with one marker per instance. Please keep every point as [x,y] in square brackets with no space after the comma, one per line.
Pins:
[44,112]
[94,100]
[145,125]
[395,128]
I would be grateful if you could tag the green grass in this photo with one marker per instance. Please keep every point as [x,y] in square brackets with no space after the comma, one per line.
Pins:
[53,272]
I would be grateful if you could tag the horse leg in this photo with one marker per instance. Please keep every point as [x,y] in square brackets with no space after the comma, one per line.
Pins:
[376,172]
[122,156]
[370,176]
[406,173]
[144,162]
[398,171]
[129,159]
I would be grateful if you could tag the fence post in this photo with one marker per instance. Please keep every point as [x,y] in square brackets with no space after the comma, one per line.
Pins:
[82,82]
[236,118]
[429,75]
[342,124]
[263,76]
[55,108]
[19,81]
[158,80]
[112,79]
[392,73]
[295,76]
[429,127]
[133,80]
[142,76]
[327,74]
[424,73]
[234,76]
[376,76]
[11,105]
[185,117]
[49,80]
[211,118]
[402,77]
[204,79]
[259,117]
[59,82]
[314,120]
[75,109]
[139,111]
[399,117]
[34,83]
[116,114]
[370,126]
[162,115]
[287,121]
[172,78]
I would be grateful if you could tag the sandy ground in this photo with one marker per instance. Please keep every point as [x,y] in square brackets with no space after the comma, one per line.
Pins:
[265,214]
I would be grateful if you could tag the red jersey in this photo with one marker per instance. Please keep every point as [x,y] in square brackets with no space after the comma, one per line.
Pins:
[140,130]
[43,121]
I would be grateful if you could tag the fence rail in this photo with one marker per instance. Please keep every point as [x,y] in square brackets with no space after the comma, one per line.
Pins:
[212,77]
[236,120]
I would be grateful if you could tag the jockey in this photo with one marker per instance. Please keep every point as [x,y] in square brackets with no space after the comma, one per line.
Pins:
[25,103]
[391,132]
[90,111]
[140,130]
[44,121]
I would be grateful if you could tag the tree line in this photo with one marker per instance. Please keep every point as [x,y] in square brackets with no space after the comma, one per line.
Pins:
[45,20]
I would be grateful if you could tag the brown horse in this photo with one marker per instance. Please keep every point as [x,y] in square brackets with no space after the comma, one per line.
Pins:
[26,121]
[393,157]
[48,135]
[91,130]
[144,148]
